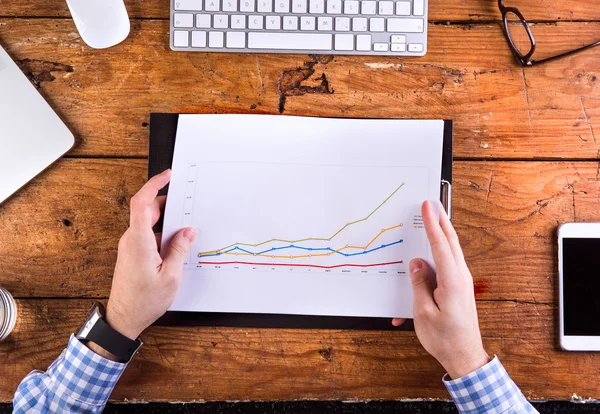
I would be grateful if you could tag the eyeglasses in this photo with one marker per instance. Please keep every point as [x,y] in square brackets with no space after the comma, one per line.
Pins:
[525,59]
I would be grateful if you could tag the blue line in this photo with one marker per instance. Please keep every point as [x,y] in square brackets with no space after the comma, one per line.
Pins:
[291,246]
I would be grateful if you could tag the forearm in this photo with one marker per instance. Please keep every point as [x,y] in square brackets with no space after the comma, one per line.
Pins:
[79,380]
[488,390]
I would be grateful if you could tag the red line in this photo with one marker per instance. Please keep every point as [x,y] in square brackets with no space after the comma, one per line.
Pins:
[302,265]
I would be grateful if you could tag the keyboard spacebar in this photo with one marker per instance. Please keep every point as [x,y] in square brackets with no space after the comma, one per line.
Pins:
[289,41]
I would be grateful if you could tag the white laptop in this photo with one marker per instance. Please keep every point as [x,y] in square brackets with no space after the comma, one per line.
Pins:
[32,136]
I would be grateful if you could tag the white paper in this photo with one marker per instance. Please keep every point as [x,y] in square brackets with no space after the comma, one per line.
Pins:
[297,215]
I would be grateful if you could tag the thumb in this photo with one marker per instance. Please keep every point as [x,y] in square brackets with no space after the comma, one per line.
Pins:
[177,250]
[420,276]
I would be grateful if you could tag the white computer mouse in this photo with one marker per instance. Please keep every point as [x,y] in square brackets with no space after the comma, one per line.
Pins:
[101,23]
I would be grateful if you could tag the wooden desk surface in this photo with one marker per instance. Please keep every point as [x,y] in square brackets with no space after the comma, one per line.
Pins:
[527,159]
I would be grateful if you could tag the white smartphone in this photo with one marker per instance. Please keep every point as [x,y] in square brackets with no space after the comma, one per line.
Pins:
[579,286]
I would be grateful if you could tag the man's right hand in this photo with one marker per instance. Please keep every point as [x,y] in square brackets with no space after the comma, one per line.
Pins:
[144,285]
[445,315]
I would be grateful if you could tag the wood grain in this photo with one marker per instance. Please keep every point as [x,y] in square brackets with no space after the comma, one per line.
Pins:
[506,215]
[469,76]
[59,234]
[203,364]
[438,9]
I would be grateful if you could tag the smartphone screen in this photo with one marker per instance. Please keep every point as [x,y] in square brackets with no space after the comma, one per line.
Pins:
[581,286]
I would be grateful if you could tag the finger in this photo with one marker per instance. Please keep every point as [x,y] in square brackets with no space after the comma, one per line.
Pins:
[157,207]
[453,241]
[158,237]
[420,276]
[141,214]
[177,251]
[442,254]
[398,321]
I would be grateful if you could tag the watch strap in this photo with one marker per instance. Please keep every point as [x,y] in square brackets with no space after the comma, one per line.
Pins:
[102,334]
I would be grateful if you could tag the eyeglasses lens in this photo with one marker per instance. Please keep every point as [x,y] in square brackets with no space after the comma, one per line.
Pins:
[518,33]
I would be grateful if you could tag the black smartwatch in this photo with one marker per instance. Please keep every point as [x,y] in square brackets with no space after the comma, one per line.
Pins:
[96,330]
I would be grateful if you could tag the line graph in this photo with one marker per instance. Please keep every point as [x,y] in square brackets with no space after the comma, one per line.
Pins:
[293,219]
[331,251]
[219,251]
[305,248]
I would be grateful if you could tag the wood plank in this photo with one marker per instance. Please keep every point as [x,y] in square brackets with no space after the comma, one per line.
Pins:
[439,9]
[60,233]
[205,364]
[469,75]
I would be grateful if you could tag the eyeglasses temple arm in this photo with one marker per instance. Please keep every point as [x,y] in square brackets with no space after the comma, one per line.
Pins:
[581,49]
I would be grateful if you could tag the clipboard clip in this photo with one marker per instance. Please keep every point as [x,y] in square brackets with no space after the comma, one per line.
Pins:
[446,197]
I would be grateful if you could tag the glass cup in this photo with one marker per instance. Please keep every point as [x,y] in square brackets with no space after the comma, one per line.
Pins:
[8,313]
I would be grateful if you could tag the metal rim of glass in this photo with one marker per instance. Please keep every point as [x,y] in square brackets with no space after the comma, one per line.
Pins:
[526,60]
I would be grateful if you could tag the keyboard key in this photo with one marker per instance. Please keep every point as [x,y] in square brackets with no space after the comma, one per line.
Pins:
[415,47]
[350,7]
[381,47]
[215,39]
[290,23]
[398,39]
[308,23]
[403,8]
[181,38]
[273,23]
[247,6]
[317,6]
[368,7]
[230,5]
[203,21]
[344,42]
[419,8]
[194,5]
[211,5]
[342,24]
[325,23]
[255,22]
[386,8]
[299,6]
[221,21]
[236,40]
[398,47]
[282,6]
[363,42]
[238,21]
[265,6]
[183,20]
[359,24]
[377,24]
[405,25]
[334,6]
[285,41]
[198,39]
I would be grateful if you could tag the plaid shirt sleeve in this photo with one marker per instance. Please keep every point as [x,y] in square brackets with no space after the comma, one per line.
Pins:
[488,390]
[78,381]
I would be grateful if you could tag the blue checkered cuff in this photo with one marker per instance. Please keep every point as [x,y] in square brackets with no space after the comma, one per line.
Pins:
[79,380]
[488,390]
[85,375]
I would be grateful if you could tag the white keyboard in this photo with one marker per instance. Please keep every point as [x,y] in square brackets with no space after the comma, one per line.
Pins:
[344,27]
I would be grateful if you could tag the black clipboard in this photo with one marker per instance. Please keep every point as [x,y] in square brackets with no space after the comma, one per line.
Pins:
[163,129]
